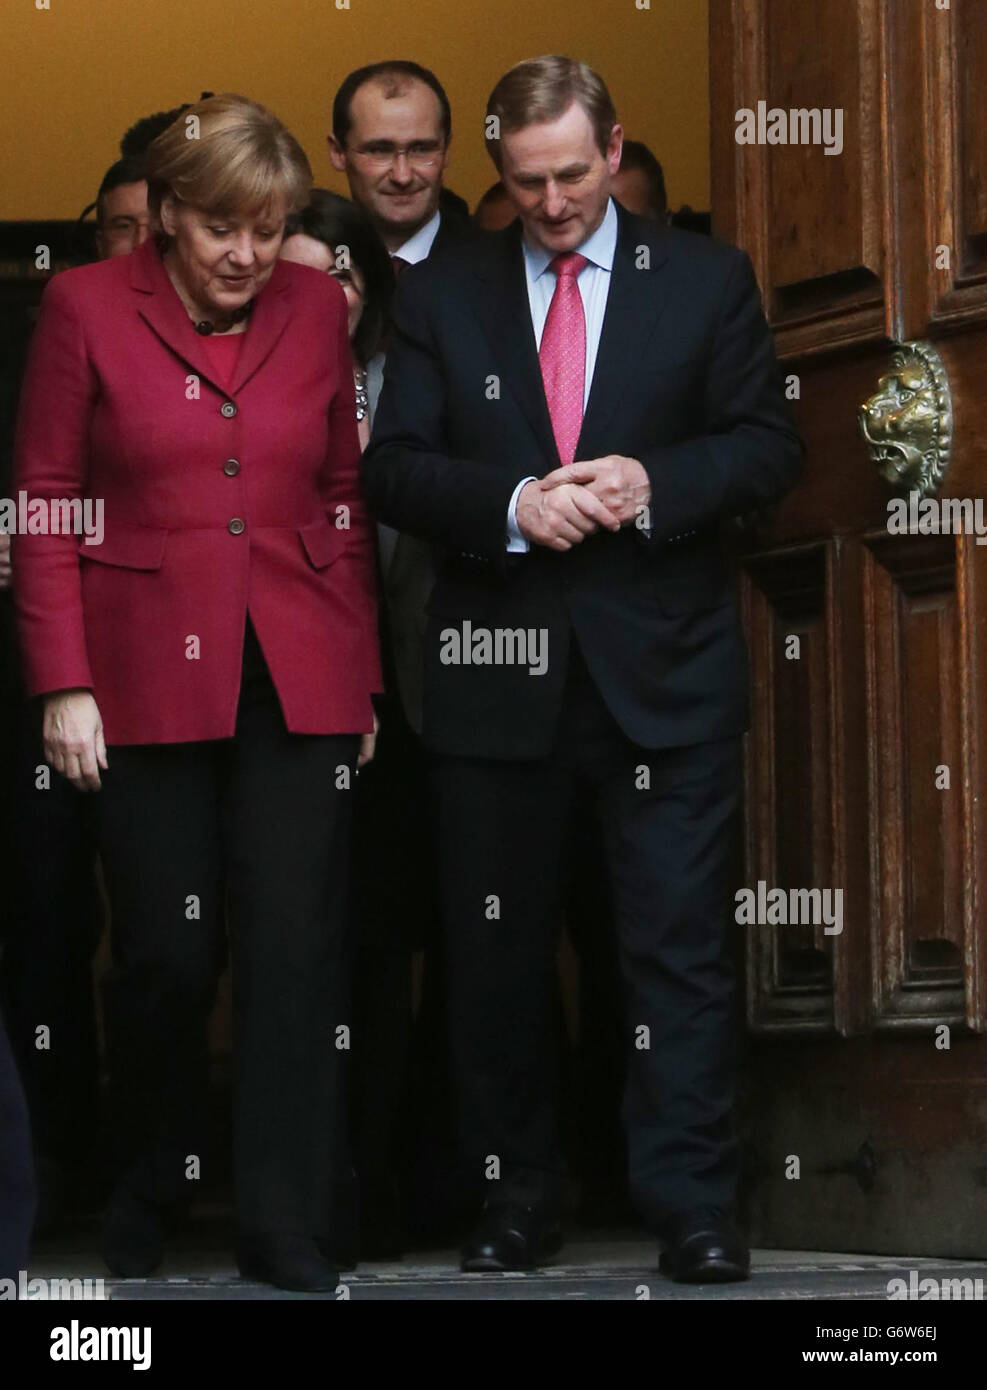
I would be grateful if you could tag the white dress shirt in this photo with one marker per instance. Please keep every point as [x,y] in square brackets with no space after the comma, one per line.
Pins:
[594,286]
[417,247]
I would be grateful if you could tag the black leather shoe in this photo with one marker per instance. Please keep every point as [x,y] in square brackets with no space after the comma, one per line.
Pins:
[702,1246]
[287,1262]
[509,1237]
[133,1236]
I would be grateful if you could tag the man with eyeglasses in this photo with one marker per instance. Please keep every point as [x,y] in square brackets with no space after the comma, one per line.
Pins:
[123,221]
[391,129]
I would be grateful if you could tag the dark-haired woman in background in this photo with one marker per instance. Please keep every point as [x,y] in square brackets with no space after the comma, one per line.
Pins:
[334,235]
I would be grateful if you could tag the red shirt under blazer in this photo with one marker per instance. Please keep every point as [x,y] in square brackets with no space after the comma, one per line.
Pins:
[212,507]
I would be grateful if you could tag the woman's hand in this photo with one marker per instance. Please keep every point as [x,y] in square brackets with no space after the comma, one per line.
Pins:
[73,737]
[367,744]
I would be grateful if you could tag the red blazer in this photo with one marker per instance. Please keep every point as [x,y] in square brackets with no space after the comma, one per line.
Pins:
[232,502]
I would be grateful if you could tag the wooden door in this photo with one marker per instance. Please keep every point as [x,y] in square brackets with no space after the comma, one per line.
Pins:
[865,1093]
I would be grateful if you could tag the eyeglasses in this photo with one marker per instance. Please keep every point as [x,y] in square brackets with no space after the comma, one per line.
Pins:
[419,156]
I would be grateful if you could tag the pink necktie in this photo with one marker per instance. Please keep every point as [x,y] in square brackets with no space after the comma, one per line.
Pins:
[562,354]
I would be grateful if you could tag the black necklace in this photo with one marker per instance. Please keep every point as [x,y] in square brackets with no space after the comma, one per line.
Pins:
[224,325]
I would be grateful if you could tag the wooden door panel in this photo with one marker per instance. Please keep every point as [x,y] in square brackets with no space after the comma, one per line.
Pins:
[813,223]
[866,1051]
[955,47]
[789,830]
[916,821]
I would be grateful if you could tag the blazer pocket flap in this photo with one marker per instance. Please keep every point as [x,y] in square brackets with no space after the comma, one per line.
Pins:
[130,547]
[323,542]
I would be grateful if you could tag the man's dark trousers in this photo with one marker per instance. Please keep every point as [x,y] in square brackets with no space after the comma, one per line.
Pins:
[669,840]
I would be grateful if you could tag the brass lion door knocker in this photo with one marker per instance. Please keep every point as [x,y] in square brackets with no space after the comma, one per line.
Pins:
[908,422]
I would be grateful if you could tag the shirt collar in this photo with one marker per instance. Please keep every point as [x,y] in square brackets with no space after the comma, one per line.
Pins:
[417,247]
[598,248]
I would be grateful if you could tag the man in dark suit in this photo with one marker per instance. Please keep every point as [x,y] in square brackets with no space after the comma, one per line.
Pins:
[391,133]
[583,640]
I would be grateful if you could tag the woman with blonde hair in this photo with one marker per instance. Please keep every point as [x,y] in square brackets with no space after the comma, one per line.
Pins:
[206,669]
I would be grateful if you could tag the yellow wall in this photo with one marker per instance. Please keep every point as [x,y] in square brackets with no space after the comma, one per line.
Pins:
[77,74]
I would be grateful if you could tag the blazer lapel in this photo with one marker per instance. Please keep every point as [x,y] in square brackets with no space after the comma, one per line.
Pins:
[634,304]
[160,307]
[507,323]
[267,323]
[164,312]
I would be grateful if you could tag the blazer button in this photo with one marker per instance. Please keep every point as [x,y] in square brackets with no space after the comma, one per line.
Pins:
[227,409]
[237,526]
[231,468]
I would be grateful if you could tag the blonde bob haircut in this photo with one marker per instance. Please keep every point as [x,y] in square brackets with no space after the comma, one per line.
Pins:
[230,157]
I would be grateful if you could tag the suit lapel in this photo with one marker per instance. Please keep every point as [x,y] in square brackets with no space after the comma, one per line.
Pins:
[267,323]
[161,308]
[507,323]
[634,303]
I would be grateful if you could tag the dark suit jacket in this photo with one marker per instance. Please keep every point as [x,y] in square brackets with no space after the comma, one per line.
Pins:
[409,575]
[686,381]
[453,231]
